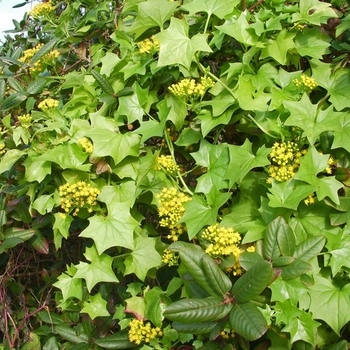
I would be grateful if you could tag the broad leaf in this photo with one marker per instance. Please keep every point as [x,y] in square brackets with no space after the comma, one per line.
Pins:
[330,303]
[143,257]
[197,310]
[95,306]
[248,321]
[70,287]
[114,230]
[176,47]
[98,270]
[253,282]
[220,8]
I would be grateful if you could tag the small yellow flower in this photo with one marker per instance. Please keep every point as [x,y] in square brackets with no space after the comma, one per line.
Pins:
[285,160]
[25,120]
[170,258]
[305,83]
[47,104]
[190,88]
[168,164]
[77,195]
[171,210]
[310,200]
[140,332]
[42,9]
[2,148]
[148,46]
[86,145]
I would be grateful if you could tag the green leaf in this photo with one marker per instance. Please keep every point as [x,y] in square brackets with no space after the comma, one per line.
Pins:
[118,340]
[311,119]
[338,247]
[285,237]
[271,249]
[154,306]
[330,303]
[197,310]
[176,47]
[103,83]
[70,334]
[240,30]
[197,328]
[44,50]
[202,268]
[33,342]
[253,282]
[342,135]
[200,212]
[278,48]
[177,112]
[70,287]
[248,321]
[114,230]
[295,269]
[313,12]
[130,107]
[220,8]
[61,228]
[215,158]
[99,270]
[95,306]
[109,143]
[36,169]
[310,166]
[143,257]
[242,160]
[13,100]
[289,194]
[151,14]
[309,248]
[312,42]
[67,156]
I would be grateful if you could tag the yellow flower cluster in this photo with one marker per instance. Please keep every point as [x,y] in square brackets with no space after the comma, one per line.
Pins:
[42,9]
[310,200]
[170,258]
[2,148]
[226,333]
[149,45]
[331,162]
[86,145]
[222,241]
[140,332]
[285,159]
[168,164]
[25,120]
[299,26]
[77,195]
[191,88]
[41,64]
[305,83]
[171,209]
[47,104]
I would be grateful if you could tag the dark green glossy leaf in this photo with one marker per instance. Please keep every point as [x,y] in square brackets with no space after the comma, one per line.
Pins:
[197,328]
[294,269]
[13,101]
[253,282]
[44,50]
[248,321]
[36,86]
[118,340]
[103,83]
[197,310]
[309,248]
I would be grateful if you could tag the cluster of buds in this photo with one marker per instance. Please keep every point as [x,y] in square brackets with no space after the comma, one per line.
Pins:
[285,160]
[47,104]
[331,163]
[222,241]
[86,145]
[41,64]
[171,209]
[148,46]
[168,164]
[42,9]
[25,120]
[76,196]
[190,88]
[299,26]
[310,199]
[2,148]
[140,332]
[305,83]
[170,258]
[228,333]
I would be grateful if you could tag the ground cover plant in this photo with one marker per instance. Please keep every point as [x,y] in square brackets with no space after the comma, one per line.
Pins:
[175,175]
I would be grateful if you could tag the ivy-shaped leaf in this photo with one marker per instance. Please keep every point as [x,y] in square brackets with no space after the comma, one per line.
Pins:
[98,270]
[176,47]
[95,306]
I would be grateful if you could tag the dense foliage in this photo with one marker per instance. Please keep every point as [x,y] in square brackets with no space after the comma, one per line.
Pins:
[175,175]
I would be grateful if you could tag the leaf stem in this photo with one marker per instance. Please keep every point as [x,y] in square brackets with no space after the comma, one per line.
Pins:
[259,126]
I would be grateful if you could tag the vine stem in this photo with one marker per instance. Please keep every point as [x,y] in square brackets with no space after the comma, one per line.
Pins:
[259,126]
[171,149]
